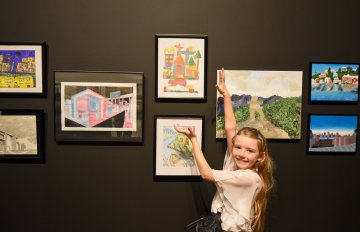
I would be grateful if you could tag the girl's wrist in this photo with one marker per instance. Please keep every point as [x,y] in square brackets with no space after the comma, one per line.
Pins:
[226,95]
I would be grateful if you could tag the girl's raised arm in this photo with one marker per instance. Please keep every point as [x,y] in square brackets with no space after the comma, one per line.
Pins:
[203,166]
[230,122]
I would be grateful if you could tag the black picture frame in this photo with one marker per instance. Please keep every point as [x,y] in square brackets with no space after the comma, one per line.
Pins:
[332,134]
[174,162]
[22,134]
[181,75]
[23,69]
[99,107]
[328,85]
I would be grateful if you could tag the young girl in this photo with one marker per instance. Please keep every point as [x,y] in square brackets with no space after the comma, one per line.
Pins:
[244,182]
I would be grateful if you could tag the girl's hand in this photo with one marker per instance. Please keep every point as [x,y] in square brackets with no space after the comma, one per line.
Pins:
[189,132]
[221,86]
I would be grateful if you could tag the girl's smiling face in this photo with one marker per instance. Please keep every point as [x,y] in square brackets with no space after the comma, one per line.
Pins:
[245,152]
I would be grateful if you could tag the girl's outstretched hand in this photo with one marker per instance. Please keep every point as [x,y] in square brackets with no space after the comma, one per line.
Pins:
[221,86]
[189,132]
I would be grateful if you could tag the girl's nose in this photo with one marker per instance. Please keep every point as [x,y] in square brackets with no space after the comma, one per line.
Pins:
[242,153]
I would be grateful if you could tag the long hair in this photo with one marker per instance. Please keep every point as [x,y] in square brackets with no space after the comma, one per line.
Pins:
[265,168]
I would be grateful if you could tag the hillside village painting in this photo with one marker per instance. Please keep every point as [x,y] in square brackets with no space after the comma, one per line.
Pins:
[334,82]
[18,135]
[21,68]
[332,133]
[181,67]
[267,100]
[98,106]
[174,154]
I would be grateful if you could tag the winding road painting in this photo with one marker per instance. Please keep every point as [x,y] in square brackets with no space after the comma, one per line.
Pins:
[267,100]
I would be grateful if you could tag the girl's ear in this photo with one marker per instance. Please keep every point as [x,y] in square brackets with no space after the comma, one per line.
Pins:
[262,157]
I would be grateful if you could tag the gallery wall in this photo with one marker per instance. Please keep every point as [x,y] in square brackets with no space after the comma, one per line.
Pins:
[97,187]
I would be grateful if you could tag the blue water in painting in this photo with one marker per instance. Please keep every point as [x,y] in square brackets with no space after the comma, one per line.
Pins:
[326,137]
[334,96]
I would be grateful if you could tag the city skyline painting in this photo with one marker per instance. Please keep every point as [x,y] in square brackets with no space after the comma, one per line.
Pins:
[332,133]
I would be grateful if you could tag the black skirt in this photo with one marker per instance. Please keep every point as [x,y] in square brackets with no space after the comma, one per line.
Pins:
[210,223]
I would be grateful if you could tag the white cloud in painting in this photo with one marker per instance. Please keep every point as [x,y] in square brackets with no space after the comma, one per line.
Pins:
[264,83]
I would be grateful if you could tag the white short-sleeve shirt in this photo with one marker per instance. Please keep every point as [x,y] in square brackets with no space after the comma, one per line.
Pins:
[236,192]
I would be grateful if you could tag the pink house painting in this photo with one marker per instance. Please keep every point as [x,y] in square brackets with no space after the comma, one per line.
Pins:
[89,108]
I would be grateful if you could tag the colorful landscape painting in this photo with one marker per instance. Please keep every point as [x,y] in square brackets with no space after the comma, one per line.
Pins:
[332,133]
[17,69]
[18,135]
[267,100]
[98,106]
[181,67]
[174,156]
[177,149]
[334,82]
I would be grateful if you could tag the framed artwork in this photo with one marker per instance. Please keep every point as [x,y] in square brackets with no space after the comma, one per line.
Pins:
[181,68]
[22,69]
[98,106]
[267,100]
[334,83]
[332,134]
[22,136]
[174,159]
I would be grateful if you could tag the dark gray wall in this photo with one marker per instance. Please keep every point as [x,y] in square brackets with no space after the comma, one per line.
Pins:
[111,188]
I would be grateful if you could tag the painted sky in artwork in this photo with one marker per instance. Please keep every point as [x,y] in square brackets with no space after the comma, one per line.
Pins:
[264,83]
[320,68]
[19,53]
[333,123]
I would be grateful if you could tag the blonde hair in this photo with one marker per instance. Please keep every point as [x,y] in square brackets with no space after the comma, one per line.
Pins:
[265,168]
